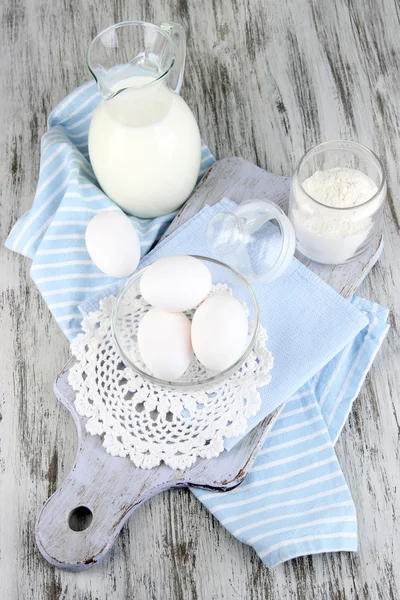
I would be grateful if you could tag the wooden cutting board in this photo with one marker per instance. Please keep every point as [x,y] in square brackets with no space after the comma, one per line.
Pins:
[81,520]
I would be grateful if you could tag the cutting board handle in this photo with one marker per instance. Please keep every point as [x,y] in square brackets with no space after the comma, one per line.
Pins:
[80,521]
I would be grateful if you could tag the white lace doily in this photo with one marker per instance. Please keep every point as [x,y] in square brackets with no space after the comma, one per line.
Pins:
[149,423]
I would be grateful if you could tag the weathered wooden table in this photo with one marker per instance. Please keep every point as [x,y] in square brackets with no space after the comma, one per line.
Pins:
[266,79]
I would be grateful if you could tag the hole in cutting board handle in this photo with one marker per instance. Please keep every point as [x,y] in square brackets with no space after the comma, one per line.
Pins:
[80,518]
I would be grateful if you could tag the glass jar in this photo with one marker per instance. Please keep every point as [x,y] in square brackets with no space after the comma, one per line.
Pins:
[326,232]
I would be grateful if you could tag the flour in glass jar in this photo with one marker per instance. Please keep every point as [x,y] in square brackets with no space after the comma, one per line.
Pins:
[333,236]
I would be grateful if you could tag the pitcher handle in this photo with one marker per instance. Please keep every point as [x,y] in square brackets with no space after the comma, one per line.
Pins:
[178,36]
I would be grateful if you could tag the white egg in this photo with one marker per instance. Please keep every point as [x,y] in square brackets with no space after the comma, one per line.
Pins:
[176,283]
[219,332]
[113,244]
[165,343]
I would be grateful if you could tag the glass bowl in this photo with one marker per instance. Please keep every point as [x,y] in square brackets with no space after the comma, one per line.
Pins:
[130,307]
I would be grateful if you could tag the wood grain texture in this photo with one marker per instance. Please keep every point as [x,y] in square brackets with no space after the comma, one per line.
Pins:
[266,79]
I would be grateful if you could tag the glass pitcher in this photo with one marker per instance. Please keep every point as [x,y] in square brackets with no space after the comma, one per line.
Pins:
[144,142]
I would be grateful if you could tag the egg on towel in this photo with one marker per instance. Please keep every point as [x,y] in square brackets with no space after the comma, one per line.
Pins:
[164,342]
[219,332]
[176,283]
[113,244]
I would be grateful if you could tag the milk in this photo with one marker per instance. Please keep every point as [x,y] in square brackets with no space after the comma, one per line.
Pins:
[145,147]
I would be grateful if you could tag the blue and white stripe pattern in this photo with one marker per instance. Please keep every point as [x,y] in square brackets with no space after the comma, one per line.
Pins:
[295,500]
[52,233]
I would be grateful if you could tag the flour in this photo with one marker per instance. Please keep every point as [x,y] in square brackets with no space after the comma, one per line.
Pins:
[334,236]
[341,188]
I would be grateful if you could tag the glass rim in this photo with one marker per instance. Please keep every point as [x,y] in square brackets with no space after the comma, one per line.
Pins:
[119,25]
[351,145]
[208,381]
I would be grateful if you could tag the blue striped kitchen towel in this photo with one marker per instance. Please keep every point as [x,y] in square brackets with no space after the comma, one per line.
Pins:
[52,233]
[295,500]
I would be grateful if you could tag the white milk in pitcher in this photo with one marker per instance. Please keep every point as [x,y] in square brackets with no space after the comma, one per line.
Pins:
[145,147]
